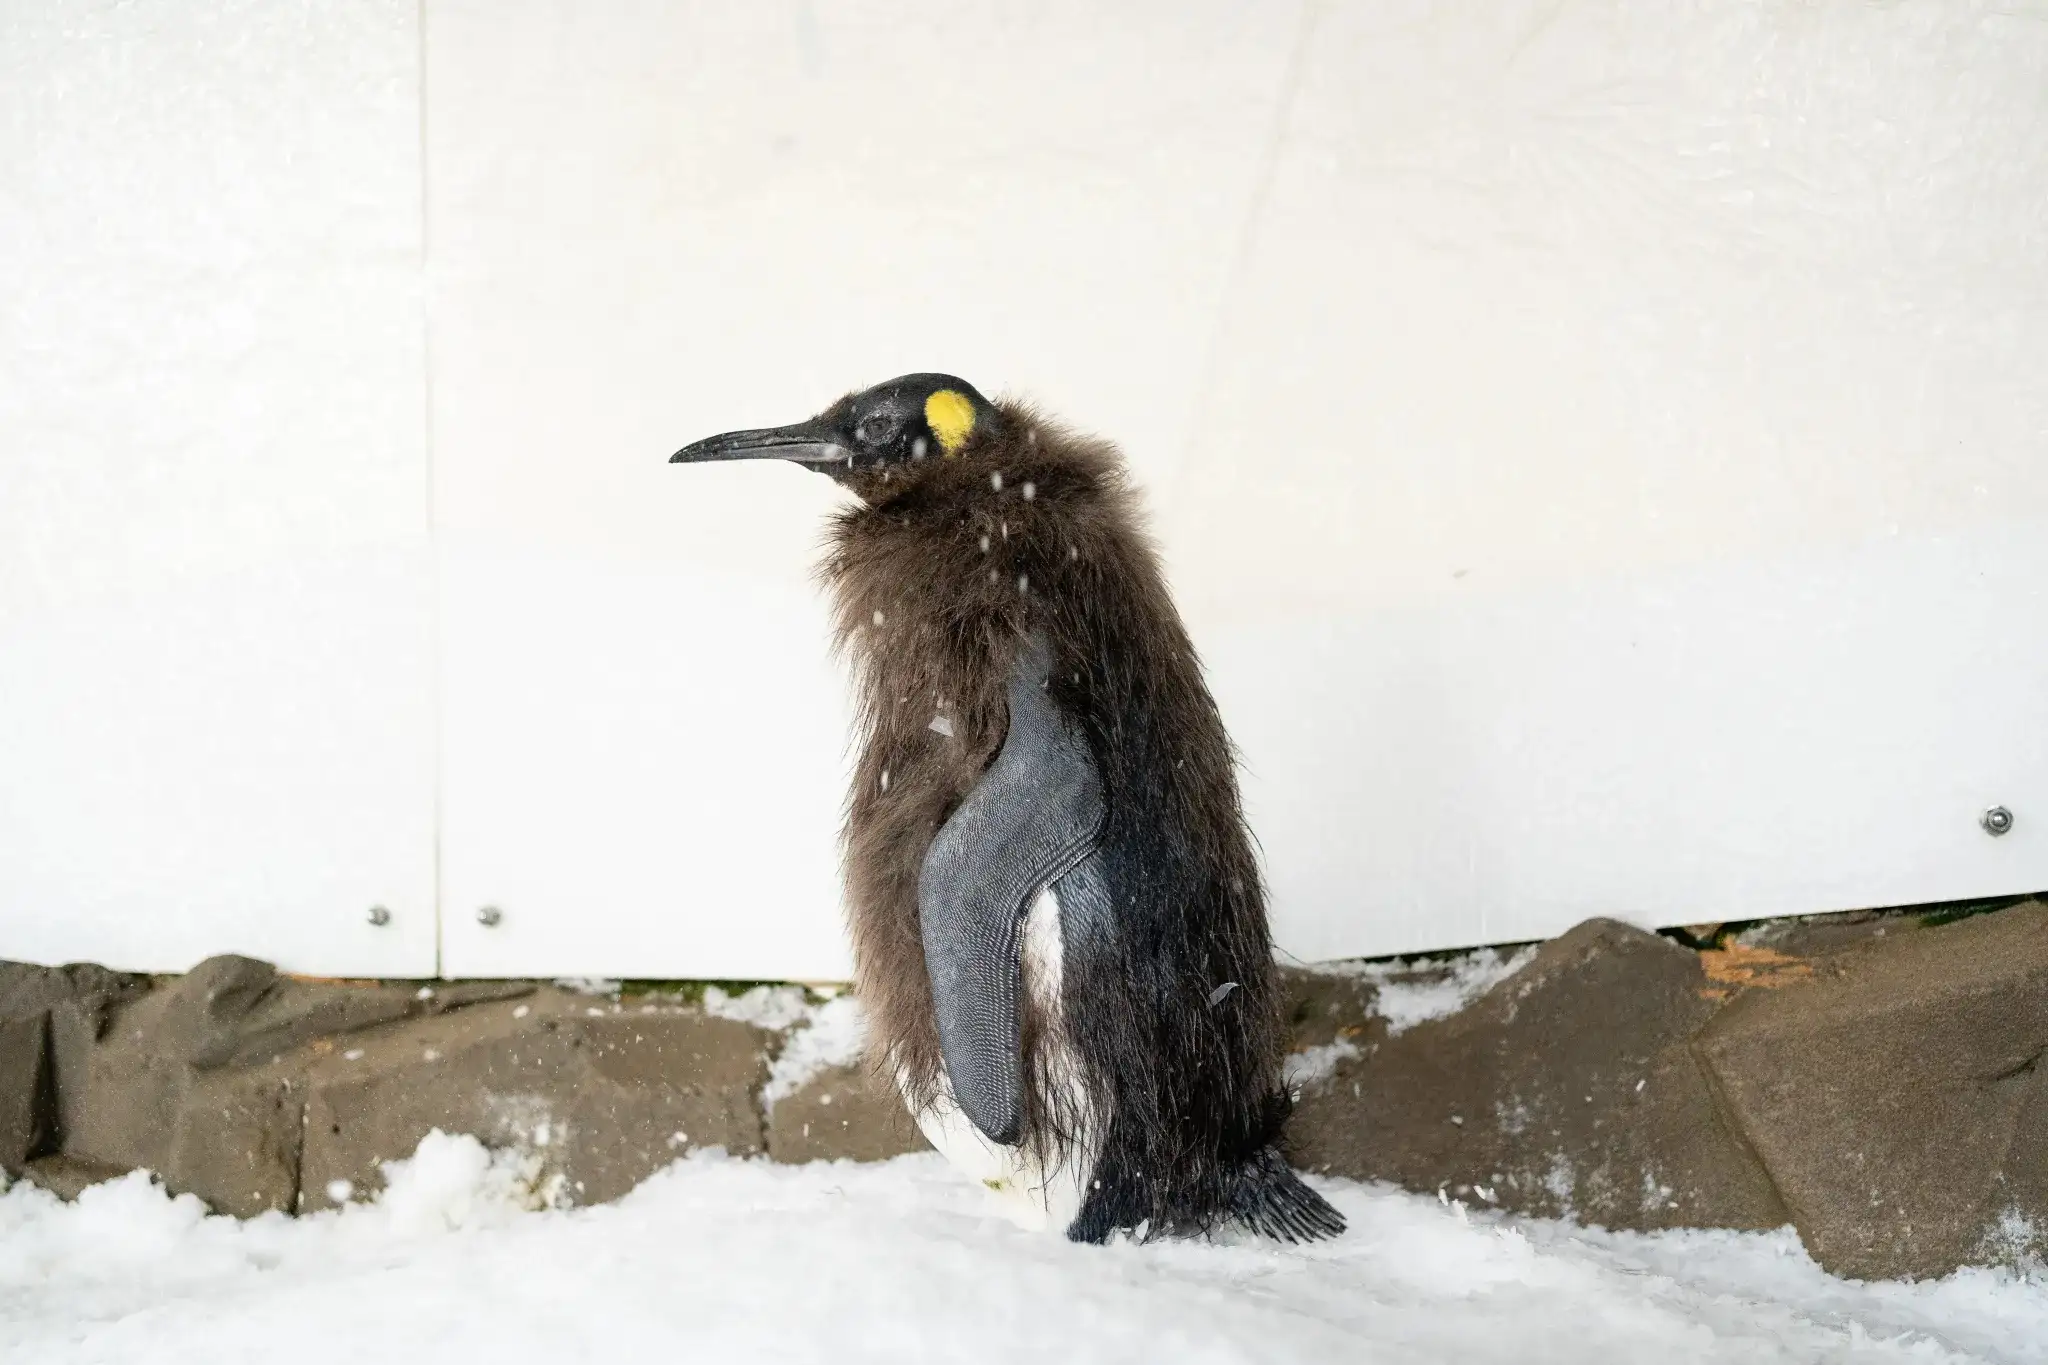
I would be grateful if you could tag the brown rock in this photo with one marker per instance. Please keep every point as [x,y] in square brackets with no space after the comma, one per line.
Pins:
[64,1176]
[230,1135]
[601,1099]
[49,1019]
[1813,936]
[26,989]
[842,1113]
[206,1081]
[235,1010]
[1567,1089]
[123,1109]
[236,1139]
[1325,1006]
[443,996]
[1897,1097]
[25,1117]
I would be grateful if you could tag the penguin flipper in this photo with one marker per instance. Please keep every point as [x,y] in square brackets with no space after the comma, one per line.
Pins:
[1034,814]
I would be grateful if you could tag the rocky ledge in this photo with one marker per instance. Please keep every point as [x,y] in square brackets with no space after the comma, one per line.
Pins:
[1873,1080]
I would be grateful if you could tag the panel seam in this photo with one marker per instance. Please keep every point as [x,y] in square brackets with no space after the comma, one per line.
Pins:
[436,691]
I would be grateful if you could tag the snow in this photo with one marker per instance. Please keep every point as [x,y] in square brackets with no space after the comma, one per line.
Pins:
[818,1034]
[716,1259]
[589,985]
[1407,993]
[1315,1063]
[770,1007]
[831,1037]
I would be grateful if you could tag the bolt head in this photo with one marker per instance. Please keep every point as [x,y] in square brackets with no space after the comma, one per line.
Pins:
[489,916]
[1996,821]
[379,916]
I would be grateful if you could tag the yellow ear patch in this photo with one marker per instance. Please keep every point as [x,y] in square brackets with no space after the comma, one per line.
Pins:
[951,417]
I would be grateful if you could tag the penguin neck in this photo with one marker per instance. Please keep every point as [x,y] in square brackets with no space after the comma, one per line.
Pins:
[936,576]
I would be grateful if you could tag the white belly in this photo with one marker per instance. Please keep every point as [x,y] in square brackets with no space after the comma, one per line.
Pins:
[1034,1195]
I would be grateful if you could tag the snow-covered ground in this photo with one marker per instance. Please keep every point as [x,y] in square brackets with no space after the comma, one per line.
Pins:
[723,1260]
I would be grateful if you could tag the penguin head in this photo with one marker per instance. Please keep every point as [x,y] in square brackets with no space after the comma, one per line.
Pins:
[900,423]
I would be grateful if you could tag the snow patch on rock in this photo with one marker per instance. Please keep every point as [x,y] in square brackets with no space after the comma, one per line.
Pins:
[832,1035]
[774,1008]
[1407,993]
[1314,1064]
[589,985]
[1406,1003]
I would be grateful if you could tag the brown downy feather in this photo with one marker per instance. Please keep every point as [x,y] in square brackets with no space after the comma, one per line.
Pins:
[938,578]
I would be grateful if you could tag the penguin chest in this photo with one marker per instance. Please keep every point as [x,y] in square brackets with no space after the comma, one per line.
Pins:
[1037,1191]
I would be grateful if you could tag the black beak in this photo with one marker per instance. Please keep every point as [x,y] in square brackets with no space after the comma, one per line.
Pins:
[806,443]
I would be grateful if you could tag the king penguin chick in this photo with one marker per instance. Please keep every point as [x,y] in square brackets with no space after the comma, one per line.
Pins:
[1058,925]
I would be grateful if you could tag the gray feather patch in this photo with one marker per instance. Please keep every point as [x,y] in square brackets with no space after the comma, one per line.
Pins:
[1035,814]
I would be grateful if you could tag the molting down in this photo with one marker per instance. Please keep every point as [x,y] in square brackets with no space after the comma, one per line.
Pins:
[1059,928]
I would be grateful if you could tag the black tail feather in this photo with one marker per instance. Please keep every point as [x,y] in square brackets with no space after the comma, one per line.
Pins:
[1265,1197]
[1272,1201]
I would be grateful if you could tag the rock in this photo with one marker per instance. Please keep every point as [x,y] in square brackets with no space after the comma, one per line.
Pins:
[49,1019]
[208,1082]
[1898,1097]
[231,1010]
[236,1138]
[1323,1007]
[1568,1089]
[443,996]
[26,989]
[25,1106]
[64,1176]
[122,1111]
[842,1113]
[1821,935]
[600,1099]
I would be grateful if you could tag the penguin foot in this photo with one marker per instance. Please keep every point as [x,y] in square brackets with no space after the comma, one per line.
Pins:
[1272,1201]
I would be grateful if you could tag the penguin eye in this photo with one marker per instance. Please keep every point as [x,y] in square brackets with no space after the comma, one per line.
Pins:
[878,428]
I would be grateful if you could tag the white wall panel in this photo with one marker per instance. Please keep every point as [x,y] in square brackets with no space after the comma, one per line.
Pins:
[1600,448]
[1621,488]
[651,222]
[1677,746]
[215,662]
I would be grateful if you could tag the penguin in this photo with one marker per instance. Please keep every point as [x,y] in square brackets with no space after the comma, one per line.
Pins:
[1059,926]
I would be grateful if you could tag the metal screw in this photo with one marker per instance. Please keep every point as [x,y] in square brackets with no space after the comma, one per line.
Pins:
[379,916]
[489,916]
[1996,821]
